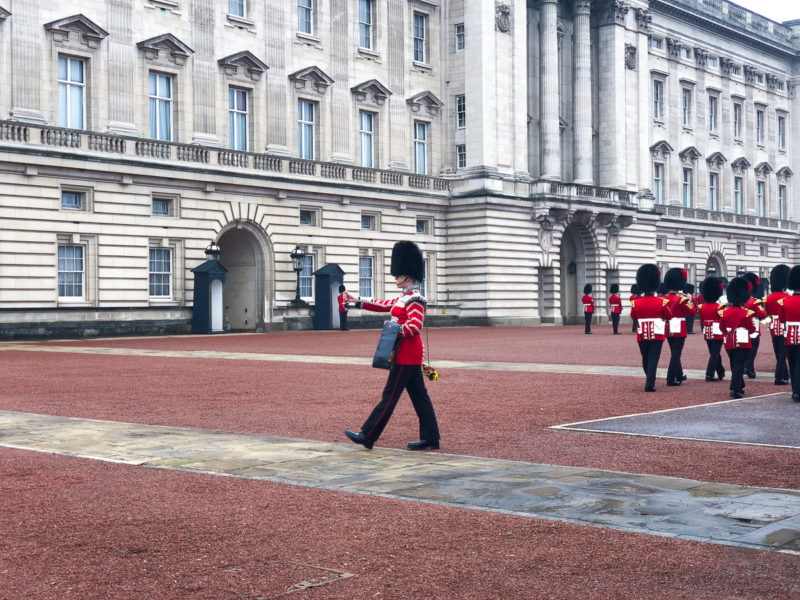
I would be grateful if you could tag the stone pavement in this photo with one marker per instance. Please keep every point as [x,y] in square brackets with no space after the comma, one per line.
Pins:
[751,517]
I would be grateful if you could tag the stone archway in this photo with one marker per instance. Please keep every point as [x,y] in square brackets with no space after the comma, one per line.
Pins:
[246,254]
[576,269]
[716,261]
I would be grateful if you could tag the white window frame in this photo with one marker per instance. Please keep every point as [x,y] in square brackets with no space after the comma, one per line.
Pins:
[658,183]
[782,190]
[237,115]
[761,197]
[366,24]
[713,112]
[658,99]
[686,107]
[781,132]
[66,86]
[426,224]
[421,136]
[172,202]
[419,46]
[307,275]
[66,265]
[760,125]
[461,156]
[314,213]
[713,191]
[461,111]
[460,39]
[238,8]
[738,195]
[305,16]
[366,138]
[81,207]
[158,278]
[306,129]
[156,100]
[737,120]
[366,276]
[687,196]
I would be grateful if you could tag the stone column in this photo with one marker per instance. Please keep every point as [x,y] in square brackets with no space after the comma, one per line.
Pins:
[644,176]
[549,90]
[279,113]
[26,62]
[583,94]
[121,68]
[204,74]
[399,149]
[341,127]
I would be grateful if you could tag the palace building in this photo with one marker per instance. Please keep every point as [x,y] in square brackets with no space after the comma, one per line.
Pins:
[527,146]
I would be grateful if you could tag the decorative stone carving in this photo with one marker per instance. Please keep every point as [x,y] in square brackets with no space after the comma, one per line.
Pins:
[165,46]
[689,155]
[700,56]
[91,34]
[763,169]
[612,240]
[425,99]
[311,75]
[243,63]
[582,6]
[790,86]
[784,174]
[740,165]
[773,81]
[502,17]
[630,57]
[749,74]
[643,20]
[661,149]
[726,65]
[716,160]
[546,234]
[374,88]
[674,47]
[612,12]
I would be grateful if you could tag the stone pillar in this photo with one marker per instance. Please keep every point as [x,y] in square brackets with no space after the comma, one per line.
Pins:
[26,62]
[121,67]
[341,129]
[278,113]
[204,74]
[583,94]
[644,177]
[551,134]
[400,124]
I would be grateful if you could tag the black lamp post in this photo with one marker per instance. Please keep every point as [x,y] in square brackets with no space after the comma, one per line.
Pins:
[212,251]
[298,258]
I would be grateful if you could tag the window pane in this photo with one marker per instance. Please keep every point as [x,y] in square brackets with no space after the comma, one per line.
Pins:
[160,272]
[76,70]
[63,66]
[75,107]
[365,276]
[307,276]
[70,271]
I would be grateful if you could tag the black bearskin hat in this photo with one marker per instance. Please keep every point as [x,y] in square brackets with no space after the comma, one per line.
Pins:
[794,279]
[342,288]
[755,284]
[647,278]
[711,289]
[587,289]
[674,279]
[407,260]
[688,289]
[635,291]
[614,289]
[738,291]
[779,277]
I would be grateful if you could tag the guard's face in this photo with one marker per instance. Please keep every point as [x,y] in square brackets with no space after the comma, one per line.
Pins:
[403,281]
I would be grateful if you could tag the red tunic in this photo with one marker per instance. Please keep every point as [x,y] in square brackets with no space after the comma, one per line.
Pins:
[681,307]
[759,313]
[710,320]
[651,314]
[789,314]
[408,310]
[773,308]
[737,324]
[588,304]
[700,300]
[616,304]
[342,304]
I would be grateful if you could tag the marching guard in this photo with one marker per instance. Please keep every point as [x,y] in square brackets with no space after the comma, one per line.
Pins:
[737,324]
[680,306]
[588,307]
[778,282]
[615,307]
[688,290]
[711,290]
[755,303]
[789,314]
[651,314]
[635,293]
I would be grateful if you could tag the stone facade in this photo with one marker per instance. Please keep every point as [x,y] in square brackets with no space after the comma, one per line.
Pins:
[529,147]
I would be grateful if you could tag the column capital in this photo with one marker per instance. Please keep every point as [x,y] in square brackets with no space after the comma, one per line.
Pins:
[582,6]
[612,12]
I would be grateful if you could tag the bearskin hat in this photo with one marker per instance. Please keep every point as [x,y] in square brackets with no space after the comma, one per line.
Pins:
[755,284]
[587,289]
[342,288]
[794,279]
[614,289]
[738,291]
[779,277]
[647,278]
[711,289]
[674,279]
[688,289]
[635,291]
[407,260]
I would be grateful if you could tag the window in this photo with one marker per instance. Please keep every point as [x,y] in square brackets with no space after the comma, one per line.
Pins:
[658,183]
[713,62]
[160,107]
[687,107]
[459,37]
[461,111]
[163,207]
[71,200]
[761,191]
[160,272]
[656,43]
[687,187]
[688,245]
[759,126]
[309,217]
[365,276]
[461,155]
[237,118]
[713,103]
[236,8]
[420,147]
[71,92]
[759,77]
[365,23]
[305,129]
[762,250]
[713,191]
[737,120]
[658,99]
[737,70]
[737,195]
[661,243]
[784,252]
[781,132]
[423,226]
[305,16]
[420,37]
[307,275]
[369,222]
[70,272]
[740,249]
[422,284]
[685,53]
[781,201]
[365,137]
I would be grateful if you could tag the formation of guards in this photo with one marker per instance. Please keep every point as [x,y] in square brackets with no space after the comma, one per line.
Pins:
[730,315]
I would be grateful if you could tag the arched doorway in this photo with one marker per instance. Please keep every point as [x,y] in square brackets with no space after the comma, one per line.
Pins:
[244,252]
[716,261]
[573,257]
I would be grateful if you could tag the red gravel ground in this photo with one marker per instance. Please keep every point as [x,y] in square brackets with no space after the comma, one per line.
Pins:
[113,531]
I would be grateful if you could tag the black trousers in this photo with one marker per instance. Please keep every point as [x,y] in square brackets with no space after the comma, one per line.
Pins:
[615,322]
[633,326]
[793,354]
[403,377]
[343,321]
[651,352]
[738,358]
[588,318]
[751,357]
[690,324]
[779,348]
[714,359]
[675,369]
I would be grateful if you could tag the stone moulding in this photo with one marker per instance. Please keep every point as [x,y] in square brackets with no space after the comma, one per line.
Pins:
[91,33]
[153,47]
[244,60]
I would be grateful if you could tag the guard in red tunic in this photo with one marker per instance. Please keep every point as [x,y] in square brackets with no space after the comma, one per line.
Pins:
[711,290]
[635,293]
[789,314]
[737,325]
[342,308]
[680,306]
[756,304]
[688,290]
[406,371]
[651,314]
[615,307]
[778,281]
[588,307]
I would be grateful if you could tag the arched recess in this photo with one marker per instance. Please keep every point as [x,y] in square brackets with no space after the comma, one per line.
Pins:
[717,261]
[578,266]
[246,252]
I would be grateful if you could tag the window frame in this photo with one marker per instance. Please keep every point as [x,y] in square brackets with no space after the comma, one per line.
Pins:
[738,195]
[658,182]
[68,84]
[421,145]
[713,113]
[314,212]
[760,125]
[783,190]
[368,136]
[83,258]
[460,39]
[761,198]
[713,191]
[461,111]
[369,25]
[235,115]
[658,99]
[363,291]
[306,275]
[686,107]
[243,4]
[461,156]
[781,133]
[736,118]
[687,195]
[306,149]
[159,100]
[419,45]
[170,274]
[305,15]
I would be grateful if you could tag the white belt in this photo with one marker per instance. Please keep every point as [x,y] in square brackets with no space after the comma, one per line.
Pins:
[658,325]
